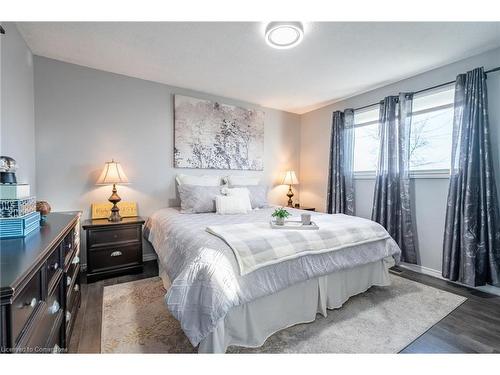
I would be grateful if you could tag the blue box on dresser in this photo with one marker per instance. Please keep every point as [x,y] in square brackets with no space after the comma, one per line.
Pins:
[13,208]
[20,226]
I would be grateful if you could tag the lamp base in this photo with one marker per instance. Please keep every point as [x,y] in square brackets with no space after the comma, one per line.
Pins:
[115,211]
[115,214]
[290,195]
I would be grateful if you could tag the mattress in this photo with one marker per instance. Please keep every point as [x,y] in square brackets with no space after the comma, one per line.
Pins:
[204,275]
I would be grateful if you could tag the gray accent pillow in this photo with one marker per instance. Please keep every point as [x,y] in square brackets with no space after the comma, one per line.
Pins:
[258,195]
[197,199]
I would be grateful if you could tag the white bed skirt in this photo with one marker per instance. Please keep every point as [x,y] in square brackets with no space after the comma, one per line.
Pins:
[249,325]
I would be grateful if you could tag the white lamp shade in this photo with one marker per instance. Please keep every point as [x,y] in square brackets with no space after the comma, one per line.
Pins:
[112,174]
[290,178]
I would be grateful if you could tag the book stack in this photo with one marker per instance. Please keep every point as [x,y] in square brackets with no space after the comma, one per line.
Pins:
[18,215]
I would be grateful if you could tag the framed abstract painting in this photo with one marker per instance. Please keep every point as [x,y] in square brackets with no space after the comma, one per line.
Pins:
[212,135]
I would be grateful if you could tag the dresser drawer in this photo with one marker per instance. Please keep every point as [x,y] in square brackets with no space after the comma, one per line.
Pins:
[72,283]
[114,257]
[71,314]
[72,273]
[54,343]
[25,304]
[99,237]
[72,268]
[74,298]
[41,331]
[54,267]
[73,304]
[68,243]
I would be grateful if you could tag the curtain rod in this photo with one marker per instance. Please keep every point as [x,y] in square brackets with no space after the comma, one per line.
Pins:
[428,88]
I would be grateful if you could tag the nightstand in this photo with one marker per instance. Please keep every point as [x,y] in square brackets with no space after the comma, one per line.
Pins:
[113,248]
[307,208]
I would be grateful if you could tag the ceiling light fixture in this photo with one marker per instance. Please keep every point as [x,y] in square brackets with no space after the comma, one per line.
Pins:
[283,35]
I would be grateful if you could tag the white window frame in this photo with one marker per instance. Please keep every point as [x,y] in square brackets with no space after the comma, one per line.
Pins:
[424,173]
[360,175]
[431,173]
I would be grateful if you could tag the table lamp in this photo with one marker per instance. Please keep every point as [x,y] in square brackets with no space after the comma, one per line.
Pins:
[290,179]
[113,174]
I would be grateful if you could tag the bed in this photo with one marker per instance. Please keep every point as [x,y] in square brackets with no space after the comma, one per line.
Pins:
[217,306]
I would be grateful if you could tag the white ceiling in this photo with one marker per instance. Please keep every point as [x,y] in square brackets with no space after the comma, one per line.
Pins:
[335,60]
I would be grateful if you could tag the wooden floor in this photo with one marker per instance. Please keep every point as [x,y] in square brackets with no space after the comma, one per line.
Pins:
[474,327]
[86,337]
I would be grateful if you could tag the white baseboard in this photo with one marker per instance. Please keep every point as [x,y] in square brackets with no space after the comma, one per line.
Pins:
[422,269]
[435,273]
[489,289]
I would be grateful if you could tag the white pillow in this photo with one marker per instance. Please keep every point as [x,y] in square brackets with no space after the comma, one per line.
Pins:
[242,180]
[242,193]
[184,179]
[230,204]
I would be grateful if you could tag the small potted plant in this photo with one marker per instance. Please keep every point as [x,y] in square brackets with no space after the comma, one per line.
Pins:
[280,214]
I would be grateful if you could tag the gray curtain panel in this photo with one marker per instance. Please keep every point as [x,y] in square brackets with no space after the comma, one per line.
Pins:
[471,248]
[391,200]
[340,193]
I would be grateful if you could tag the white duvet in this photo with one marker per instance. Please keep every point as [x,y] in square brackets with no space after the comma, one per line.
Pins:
[205,278]
[256,245]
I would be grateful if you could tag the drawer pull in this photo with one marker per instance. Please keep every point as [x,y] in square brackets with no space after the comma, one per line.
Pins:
[76,260]
[68,281]
[31,303]
[68,316]
[54,266]
[116,253]
[76,288]
[54,308]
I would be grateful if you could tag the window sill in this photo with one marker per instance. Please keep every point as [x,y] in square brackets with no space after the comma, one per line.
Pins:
[436,174]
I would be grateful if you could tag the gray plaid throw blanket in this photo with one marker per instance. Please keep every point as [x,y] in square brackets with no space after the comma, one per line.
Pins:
[256,245]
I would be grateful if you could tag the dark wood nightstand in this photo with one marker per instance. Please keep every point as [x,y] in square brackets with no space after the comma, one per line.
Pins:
[113,248]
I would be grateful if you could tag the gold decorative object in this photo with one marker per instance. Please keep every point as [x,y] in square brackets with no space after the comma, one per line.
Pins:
[290,179]
[113,174]
[103,210]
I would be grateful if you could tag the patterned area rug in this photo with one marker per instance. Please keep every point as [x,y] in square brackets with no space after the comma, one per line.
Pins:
[381,320]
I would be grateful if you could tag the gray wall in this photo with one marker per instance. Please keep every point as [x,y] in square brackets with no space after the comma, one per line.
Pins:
[429,194]
[85,117]
[17,128]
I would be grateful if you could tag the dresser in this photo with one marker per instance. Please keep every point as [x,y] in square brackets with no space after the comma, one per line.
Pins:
[40,287]
[113,248]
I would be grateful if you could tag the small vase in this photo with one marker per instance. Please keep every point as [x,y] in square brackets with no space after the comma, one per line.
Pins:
[280,221]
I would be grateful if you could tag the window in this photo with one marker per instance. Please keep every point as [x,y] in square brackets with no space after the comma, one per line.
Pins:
[430,135]
[431,130]
[366,139]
